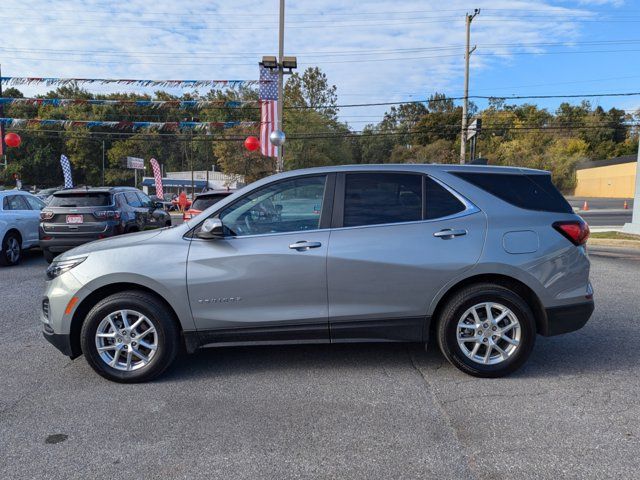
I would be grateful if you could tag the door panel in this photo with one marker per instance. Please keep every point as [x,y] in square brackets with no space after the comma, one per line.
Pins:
[268,275]
[394,271]
[241,282]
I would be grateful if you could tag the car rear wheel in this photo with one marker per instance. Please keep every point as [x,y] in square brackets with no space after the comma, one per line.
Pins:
[11,252]
[130,337]
[486,330]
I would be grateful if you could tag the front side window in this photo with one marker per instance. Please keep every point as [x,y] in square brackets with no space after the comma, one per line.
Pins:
[288,206]
[379,198]
[145,200]
[35,203]
[132,199]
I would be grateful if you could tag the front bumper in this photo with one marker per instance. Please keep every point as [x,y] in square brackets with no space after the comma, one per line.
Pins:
[566,319]
[61,341]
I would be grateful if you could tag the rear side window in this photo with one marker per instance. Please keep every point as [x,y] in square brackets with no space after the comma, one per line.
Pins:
[379,198]
[440,202]
[15,202]
[205,202]
[83,199]
[532,192]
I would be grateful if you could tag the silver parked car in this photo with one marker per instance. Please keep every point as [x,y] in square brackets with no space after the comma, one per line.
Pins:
[19,220]
[484,258]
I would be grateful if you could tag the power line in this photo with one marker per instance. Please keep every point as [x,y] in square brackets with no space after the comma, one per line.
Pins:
[349,105]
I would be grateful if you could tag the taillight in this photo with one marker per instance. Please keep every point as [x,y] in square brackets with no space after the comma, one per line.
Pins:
[46,215]
[576,231]
[115,214]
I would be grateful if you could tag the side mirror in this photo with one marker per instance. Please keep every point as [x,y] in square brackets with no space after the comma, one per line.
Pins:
[211,229]
[159,205]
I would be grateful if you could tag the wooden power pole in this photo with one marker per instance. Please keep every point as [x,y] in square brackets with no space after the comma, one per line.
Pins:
[465,104]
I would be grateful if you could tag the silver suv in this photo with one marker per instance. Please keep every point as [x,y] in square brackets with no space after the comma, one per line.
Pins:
[483,258]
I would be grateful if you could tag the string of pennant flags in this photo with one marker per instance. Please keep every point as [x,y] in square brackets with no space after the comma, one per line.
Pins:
[56,81]
[64,102]
[121,125]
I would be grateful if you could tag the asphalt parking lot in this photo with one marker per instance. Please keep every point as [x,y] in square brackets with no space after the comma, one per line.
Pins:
[348,411]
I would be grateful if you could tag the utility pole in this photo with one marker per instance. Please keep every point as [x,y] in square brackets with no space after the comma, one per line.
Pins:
[103,163]
[465,105]
[280,164]
[3,147]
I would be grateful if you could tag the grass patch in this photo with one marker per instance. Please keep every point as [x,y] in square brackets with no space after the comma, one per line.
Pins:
[615,235]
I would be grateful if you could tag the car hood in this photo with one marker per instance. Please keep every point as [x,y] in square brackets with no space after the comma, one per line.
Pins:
[114,242]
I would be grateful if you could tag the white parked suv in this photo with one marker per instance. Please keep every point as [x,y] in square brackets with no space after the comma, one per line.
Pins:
[19,222]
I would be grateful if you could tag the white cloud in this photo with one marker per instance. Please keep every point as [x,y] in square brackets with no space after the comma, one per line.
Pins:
[217,40]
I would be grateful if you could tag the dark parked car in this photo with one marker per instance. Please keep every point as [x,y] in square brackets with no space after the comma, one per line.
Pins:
[78,216]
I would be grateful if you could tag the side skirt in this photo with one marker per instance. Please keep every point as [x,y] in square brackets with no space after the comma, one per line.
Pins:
[414,329]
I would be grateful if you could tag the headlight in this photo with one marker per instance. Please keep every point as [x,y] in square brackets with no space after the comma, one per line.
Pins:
[58,268]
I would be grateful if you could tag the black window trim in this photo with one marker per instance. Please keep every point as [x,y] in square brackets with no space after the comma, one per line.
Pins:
[325,215]
[337,220]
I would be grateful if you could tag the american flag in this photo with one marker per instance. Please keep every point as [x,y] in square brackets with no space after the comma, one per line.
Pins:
[66,170]
[157,175]
[268,109]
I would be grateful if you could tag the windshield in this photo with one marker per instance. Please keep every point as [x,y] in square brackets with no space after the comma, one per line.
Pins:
[202,203]
[82,199]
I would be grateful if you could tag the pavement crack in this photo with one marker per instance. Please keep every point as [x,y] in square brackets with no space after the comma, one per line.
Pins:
[468,458]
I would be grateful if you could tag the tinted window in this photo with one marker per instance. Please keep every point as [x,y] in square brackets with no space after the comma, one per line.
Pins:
[145,200]
[15,202]
[202,203]
[132,199]
[533,192]
[34,203]
[378,198]
[83,199]
[441,202]
[288,206]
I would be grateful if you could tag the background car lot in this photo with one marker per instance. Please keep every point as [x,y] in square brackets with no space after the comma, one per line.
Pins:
[342,411]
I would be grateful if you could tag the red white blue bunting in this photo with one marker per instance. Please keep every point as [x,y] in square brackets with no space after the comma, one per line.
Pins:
[64,102]
[168,126]
[54,81]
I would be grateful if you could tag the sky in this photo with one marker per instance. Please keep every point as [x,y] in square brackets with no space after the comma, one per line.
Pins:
[375,51]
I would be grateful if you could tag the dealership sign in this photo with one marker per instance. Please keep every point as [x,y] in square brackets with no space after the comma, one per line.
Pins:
[135,162]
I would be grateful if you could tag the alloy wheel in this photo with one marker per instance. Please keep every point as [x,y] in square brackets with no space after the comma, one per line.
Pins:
[488,333]
[13,250]
[126,340]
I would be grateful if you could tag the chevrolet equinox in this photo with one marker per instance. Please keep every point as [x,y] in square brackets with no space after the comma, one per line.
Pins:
[484,258]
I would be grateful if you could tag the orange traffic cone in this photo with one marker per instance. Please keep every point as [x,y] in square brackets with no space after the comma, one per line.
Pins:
[585,207]
[626,205]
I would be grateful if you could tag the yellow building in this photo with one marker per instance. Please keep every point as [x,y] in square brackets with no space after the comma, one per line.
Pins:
[613,178]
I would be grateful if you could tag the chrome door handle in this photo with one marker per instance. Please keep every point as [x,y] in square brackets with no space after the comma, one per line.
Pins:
[303,245]
[448,233]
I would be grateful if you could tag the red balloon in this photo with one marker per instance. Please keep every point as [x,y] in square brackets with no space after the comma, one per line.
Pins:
[12,139]
[252,143]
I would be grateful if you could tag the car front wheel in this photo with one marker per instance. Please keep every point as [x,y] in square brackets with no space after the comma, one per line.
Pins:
[130,337]
[486,330]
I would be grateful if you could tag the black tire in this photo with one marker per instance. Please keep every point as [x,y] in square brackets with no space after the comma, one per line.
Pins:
[8,251]
[465,299]
[48,256]
[168,335]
